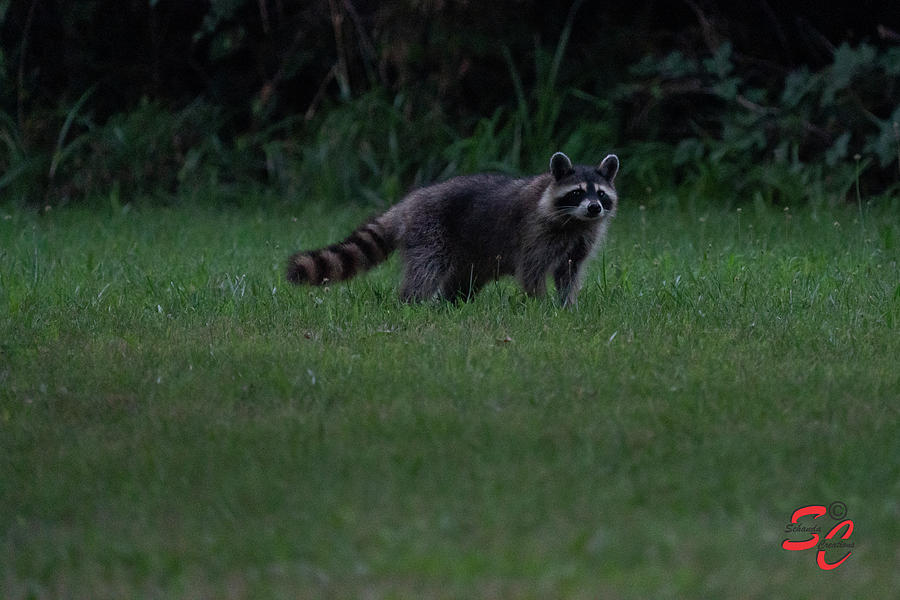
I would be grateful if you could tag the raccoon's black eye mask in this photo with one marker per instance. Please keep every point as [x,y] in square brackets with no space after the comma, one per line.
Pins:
[572,198]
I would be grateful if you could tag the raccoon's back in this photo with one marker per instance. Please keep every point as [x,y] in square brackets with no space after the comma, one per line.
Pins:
[480,214]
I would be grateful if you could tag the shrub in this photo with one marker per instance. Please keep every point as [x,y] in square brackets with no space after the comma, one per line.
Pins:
[752,136]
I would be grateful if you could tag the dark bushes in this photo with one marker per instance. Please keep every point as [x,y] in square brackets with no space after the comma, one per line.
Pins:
[354,100]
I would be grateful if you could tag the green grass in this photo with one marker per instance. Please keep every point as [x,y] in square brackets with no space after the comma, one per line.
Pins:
[175,421]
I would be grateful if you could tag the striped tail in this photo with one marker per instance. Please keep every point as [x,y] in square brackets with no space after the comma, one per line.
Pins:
[368,246]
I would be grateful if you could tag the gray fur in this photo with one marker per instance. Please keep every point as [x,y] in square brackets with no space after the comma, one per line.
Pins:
[458,235]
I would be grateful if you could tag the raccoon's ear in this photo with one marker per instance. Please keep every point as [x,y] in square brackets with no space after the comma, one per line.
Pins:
[560,165]
[608,167]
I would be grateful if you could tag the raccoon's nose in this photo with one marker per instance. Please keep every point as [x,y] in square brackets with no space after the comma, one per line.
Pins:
[594,209]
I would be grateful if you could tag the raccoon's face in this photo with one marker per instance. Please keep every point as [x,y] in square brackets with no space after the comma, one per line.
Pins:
[583,193]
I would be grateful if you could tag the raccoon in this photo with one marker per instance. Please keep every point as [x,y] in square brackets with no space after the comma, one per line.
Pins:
[458,235]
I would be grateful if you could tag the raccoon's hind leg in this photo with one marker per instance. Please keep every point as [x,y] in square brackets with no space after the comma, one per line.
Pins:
[425,271]
[461,283]
[418,285]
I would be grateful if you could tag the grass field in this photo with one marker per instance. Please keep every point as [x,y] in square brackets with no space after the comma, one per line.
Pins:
[175,421]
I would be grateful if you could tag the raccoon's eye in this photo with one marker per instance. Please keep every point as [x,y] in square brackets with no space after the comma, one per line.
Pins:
[571,198]
[601,194]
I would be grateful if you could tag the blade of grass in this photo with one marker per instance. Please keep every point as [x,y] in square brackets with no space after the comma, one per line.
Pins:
[61,151]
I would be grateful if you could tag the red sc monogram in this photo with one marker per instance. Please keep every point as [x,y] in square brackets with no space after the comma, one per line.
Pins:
[813,541]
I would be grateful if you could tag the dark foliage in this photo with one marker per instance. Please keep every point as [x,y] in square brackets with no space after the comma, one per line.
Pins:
[158,94]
